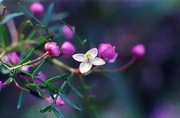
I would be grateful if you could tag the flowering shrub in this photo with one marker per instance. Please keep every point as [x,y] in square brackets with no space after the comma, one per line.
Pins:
[23,69]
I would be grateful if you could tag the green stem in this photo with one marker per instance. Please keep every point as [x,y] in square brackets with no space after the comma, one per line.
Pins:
[20,87]
[81,42]
[30,62]
[90,106]
[133,59]
[59,63]
[4,64]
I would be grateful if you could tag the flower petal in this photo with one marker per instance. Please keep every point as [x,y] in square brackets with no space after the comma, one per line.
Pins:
[114,59]
[85,67]
[98,61]
[93,52]
[79,57]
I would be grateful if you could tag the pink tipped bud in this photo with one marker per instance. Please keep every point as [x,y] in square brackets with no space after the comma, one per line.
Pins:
[138,50]
[67,49]
[59,101]
[0,85]
[52,48]
[106,51]
[37,8]
[67,32]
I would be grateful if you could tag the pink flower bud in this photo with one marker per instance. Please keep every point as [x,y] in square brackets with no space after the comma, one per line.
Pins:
[68,32]
[52,48]
[36,8]
[106,51]
[0,85]
[59,101]
[41,76]
[138,50]
[114,59]
[67,49]
[25,68]
[12,58]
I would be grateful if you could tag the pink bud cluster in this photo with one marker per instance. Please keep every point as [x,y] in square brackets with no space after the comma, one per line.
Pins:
[13,58]
[67,49]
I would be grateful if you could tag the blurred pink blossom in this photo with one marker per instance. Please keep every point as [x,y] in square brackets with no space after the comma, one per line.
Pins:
[12,58]
[67,32]
[138,50]
[67,49]
[59,101]
[41,76]
[36,8]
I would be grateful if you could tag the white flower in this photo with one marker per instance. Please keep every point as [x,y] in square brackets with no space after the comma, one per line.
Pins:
[88,59]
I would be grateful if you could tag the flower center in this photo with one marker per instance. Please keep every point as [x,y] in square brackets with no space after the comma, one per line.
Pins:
[88,57]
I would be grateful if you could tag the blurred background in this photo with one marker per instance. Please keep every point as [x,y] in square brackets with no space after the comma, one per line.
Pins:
[150,88]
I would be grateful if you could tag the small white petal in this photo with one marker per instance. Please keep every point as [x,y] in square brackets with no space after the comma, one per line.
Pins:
[93,52]
[98,61]
[79,57]
[85,67]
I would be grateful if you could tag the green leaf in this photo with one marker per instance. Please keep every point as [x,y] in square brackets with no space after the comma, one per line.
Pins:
[4,70]
[81,42]
[57,78]
[38,89]
[57,113]
[29,15]
[14,74]
[49,14]
[21,99]
[52,89]
[66,100]
[73,29]
[59,34]
[3,37]
[24,72]
[27,58]
[31,85]
[11,16]
[75,90]
[39,68]
[84,41]
[36,93]
[1,1]
[45,109]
